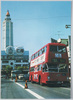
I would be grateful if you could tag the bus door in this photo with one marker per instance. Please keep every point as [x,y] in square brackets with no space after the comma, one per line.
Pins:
[44,73]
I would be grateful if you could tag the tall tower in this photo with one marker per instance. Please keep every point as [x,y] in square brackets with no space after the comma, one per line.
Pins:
[7,32]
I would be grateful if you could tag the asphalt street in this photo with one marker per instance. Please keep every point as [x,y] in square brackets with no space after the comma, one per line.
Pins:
[15,90]
[10,90]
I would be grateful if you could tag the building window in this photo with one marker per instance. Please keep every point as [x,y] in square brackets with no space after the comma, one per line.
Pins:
[4,66]
[18,65]
[11,63]
[19,60]
[26,60]
[5,61]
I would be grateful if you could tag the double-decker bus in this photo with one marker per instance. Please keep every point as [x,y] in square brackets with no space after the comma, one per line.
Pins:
[49,65]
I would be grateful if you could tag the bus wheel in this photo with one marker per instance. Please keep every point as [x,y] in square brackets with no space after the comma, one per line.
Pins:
[40,81]
[31,80]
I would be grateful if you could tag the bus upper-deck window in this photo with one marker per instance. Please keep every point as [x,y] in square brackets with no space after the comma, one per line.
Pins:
[61,49]
[40,52]
[37,54]
[53,48]
[43,50]
[34,55]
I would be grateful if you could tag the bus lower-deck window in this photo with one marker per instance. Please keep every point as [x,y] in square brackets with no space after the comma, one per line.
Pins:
[53,69]
[63,68]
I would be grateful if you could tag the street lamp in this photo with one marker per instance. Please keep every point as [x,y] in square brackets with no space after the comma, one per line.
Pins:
[67,26]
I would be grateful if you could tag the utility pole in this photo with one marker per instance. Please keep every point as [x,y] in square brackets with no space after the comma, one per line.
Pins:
[67,26]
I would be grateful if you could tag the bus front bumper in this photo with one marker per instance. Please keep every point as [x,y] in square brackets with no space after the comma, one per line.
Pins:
[56,82]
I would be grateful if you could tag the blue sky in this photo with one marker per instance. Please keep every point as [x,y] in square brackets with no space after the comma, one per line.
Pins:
[36,22]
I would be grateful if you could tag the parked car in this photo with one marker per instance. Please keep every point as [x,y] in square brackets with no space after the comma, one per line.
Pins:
[26,77]
[21,76]
[13,75]
[3,76]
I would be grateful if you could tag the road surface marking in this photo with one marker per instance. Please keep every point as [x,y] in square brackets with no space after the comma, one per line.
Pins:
[33,93]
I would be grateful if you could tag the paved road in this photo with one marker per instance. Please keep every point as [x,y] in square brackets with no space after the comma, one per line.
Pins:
[12,90]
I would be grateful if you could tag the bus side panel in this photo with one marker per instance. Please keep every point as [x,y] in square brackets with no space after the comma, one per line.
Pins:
[47,53]
[44,77]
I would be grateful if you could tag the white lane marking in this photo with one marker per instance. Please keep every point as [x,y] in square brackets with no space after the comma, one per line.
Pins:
[33,93]
[60,92]
[20,85]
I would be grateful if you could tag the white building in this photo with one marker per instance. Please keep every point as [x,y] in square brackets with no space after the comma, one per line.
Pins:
[15,58]
[7,32]
[9,55]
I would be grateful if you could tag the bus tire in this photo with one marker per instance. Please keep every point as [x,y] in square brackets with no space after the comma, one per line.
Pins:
[40,81]
[31,80]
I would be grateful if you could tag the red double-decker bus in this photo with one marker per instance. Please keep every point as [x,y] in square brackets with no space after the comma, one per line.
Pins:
[50,65]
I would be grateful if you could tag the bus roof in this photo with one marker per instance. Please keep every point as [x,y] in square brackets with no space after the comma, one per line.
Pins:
[60,44]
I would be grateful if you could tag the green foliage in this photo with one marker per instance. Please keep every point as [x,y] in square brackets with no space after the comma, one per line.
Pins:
[20,68]
[8,69]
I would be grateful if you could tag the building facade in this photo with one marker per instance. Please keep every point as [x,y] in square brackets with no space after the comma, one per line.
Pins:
[11,56]
[7,32]
[15,58]
[67,42]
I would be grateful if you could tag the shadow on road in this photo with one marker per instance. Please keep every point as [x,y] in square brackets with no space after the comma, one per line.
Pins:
[55,85]
[3,80]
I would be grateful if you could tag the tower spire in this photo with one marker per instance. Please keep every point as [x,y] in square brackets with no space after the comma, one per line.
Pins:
[7,14]
[7,32]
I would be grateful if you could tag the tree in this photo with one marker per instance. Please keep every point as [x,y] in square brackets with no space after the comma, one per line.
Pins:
[20,68]
[8,69]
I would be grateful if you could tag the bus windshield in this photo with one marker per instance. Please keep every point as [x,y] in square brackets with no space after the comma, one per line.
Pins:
[57,48]
[55,68]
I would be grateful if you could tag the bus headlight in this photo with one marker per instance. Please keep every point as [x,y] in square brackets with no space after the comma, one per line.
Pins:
[67,78]
[48,77]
